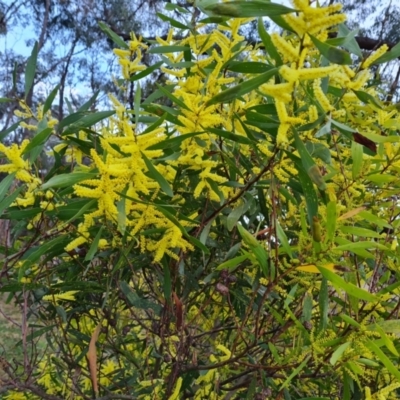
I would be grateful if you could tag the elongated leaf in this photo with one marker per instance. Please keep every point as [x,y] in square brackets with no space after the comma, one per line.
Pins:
[5,203]
[309,194]
[12,128]
[50,99]
[323,302]
[330,221]
[113,36]
[333,54]
[232,263]
[250,67]
[230,136]
[347,287]
[168,49]
[241,9]
[94,246]
[235,215]
[242,88]
[283,239]
[65,180]
[295,372]
[337,354]
[269,46]
[146,72]
[173,22]
[383,358]
[357,156]
[361,232]
[164,185]
[88,121]
[39,139]
[31,69]
[367,98]
[5,184]
[172,97]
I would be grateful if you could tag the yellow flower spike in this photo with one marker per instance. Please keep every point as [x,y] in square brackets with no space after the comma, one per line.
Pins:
[289,52]
[320,96]
[374,56]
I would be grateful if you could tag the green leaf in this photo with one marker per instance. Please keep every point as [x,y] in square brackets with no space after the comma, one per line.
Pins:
[243,88]
[12,128]
[241,9]
[349,288]
[135,301]
[88,121]
[337,354]
[250,67]
[172,97]
[348,41]
[39,251]
[235,215]
[230,136]
[269,46]
[330,221]
[95,244]
[39,139]
[5,184]
[5,203]
[232,263]
[323,302]
[389,56]
[367,98]
[164,185]
[66,180]
[295,372]
[138,96]
[50,99]
[361,232]
[309,194]
[357,154]
[333,54]
[173,22]
[113,36]
[381,138]
[283,239]
[383,358]
[31,69]
[168,49]
[146,72]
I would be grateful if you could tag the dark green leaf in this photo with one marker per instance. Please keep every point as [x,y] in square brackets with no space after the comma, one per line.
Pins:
[241,9]
[31,69]
[269,46]
[113,36]
[66,180]
[168,49]
[164,185]
[50,99]
[250,67]
[333,54]
[172,22]
[146,72]
[242,88]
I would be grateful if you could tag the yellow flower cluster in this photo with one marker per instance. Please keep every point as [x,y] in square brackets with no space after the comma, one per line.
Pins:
[130,59]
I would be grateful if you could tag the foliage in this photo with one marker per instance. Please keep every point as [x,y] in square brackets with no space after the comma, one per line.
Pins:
[239,242]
